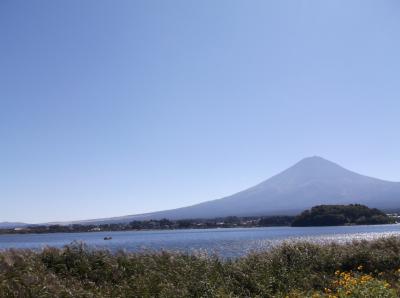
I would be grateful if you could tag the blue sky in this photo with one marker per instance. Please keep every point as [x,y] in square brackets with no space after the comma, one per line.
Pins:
[119,107]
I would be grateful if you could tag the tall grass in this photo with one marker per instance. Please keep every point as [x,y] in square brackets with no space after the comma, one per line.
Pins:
[293,268]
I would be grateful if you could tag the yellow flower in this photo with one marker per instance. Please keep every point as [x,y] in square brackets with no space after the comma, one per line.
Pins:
[327,290]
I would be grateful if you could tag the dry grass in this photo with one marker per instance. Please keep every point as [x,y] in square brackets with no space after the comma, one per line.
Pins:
[292,269]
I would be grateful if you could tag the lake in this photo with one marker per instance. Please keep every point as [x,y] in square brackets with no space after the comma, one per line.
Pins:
[231,242]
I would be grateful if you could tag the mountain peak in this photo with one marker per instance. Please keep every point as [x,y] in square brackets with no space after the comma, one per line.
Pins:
[316,163]
[310,169]
[315,159]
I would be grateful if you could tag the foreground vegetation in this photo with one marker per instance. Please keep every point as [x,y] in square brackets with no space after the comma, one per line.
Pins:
[357,269]
[339,215]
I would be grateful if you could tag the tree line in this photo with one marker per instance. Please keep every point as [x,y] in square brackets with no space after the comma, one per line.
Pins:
[323,215]
[339,215]
[162,224]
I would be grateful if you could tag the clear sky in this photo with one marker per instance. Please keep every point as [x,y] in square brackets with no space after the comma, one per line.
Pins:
[110,108]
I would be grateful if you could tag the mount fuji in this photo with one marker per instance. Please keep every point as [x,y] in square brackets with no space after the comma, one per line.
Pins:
[312,181]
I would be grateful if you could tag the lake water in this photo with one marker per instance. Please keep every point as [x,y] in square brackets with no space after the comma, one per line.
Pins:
[224,242]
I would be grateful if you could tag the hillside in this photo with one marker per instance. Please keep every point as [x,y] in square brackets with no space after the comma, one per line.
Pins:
[339,215]
[6,224]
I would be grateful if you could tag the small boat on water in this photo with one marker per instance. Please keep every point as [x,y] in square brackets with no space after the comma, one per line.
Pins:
[107,238]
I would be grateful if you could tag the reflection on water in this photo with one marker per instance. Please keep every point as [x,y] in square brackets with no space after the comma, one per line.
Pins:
[223,242]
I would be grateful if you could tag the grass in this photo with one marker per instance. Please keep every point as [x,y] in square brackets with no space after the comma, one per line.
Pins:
[293,269]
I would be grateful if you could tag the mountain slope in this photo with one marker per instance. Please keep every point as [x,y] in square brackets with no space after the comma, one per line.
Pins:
[312,181]
[11,225]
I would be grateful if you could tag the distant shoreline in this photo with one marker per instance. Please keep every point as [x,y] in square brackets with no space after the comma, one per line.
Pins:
[185,229]
[158,225]
[322,215]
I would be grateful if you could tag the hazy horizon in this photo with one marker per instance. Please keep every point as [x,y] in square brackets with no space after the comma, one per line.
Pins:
[110,109]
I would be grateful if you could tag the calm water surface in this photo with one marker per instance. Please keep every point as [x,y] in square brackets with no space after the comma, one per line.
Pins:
[224,242]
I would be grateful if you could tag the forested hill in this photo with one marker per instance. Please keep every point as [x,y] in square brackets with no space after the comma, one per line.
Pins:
[339,215]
